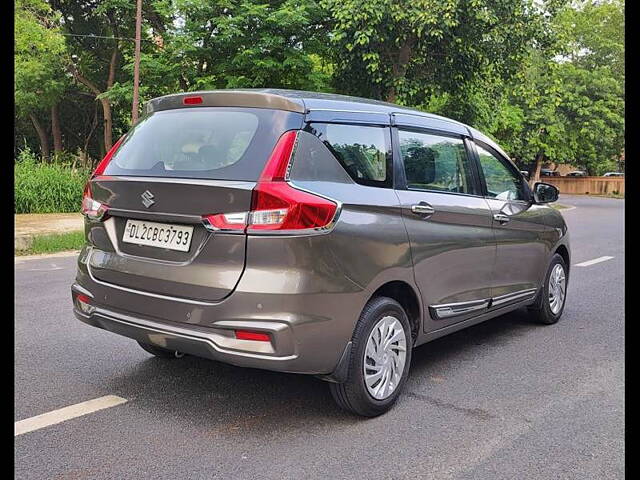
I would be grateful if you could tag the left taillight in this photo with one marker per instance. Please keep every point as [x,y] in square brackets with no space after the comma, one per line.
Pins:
[93,209]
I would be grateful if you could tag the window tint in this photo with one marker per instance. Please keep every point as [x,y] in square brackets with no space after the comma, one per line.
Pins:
[502,182]
[434,162]
[364,152]
[209,142]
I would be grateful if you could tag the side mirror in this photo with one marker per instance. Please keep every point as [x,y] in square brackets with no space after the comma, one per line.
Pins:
[545,193]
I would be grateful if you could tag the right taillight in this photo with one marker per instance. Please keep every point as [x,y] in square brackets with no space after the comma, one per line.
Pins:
[278,206]
[275,204]
[90,207]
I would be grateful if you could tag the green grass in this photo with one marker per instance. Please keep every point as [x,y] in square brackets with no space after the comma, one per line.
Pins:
[57,242]
[47,188]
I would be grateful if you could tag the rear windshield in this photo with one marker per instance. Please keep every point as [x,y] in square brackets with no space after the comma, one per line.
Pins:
[206,142]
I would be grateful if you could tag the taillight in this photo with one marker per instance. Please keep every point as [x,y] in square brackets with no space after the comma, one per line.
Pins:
[278,206]
[225,221]
[90,207]
[275,204]
[102,166]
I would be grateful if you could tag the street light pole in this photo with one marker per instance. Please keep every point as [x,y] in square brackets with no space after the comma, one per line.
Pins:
[136,64]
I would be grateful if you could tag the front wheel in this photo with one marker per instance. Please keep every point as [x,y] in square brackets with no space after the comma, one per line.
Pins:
[550,303]
[380,360]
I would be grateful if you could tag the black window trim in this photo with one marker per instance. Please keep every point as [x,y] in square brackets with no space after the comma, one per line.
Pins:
[505,161]
[399,171]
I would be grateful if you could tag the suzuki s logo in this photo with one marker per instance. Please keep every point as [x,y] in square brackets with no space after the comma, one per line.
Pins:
[147,198]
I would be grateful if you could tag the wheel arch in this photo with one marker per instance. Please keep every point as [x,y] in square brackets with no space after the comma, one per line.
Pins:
[407,297]
[563,251]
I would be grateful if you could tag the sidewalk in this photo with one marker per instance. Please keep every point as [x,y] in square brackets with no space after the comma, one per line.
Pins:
[29,224]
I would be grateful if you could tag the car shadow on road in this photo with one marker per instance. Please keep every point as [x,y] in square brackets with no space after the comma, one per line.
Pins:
[232,400]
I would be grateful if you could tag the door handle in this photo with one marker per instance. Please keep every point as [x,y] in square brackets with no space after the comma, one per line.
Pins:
[422,209]
[501,218]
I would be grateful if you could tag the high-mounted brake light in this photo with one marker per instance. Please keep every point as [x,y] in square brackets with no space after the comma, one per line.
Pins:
[192,100]
[90,207]
[275,204]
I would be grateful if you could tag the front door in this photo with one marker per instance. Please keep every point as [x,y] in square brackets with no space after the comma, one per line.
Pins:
[521,235]
[449,226]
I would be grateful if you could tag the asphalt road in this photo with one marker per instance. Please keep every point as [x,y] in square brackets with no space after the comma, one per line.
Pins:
[504,399]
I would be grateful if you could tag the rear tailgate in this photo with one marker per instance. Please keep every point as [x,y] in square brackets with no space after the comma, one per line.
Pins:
[213,263]
[174,167]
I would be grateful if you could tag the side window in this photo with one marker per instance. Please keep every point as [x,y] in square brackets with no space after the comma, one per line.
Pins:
[363,151]
[435,162]
[502,182]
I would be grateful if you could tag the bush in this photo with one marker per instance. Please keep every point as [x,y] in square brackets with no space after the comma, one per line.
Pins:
[47,188]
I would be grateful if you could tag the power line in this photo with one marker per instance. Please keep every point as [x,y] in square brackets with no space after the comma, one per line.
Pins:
[102,36]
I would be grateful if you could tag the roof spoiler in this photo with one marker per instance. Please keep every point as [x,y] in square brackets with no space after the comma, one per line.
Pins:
[226,98]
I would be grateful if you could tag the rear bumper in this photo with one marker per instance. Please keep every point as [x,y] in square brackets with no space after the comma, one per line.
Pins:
[293,347]
[215,345]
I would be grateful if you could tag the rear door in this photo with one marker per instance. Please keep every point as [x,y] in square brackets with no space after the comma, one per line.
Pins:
[448,223]
[174,167]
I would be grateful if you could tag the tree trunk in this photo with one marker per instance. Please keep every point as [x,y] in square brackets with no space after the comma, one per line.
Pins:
[55,130]
[183,83]
[399,68]
[42,135]
[536,171]
[106,105]
[108,123]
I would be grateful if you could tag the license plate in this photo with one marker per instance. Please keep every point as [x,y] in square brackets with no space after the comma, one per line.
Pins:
[161,235]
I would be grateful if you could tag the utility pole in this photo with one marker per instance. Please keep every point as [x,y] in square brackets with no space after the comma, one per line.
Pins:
[136,64]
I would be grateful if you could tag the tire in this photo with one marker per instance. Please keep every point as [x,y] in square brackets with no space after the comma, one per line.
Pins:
[160,352]
[354,395]
[543,311]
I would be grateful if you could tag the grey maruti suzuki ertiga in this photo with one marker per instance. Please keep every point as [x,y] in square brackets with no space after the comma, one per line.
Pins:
[311,233]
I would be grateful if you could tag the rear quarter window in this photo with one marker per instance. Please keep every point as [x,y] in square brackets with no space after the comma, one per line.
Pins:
[363,151]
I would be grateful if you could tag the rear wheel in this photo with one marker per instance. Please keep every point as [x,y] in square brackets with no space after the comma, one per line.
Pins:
[160,352]
[550,302]
[380,359]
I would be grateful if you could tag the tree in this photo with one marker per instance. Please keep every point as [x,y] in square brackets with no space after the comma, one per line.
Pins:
[246,43]
[96,31]
[407,51]
[39,52]
[568,102]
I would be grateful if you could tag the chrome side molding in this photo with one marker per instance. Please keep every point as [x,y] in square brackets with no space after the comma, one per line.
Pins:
[513,297]
[439,312]
[449,310]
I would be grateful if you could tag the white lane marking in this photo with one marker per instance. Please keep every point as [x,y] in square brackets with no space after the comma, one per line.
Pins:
[43,269]
[594,261]
[67,413]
